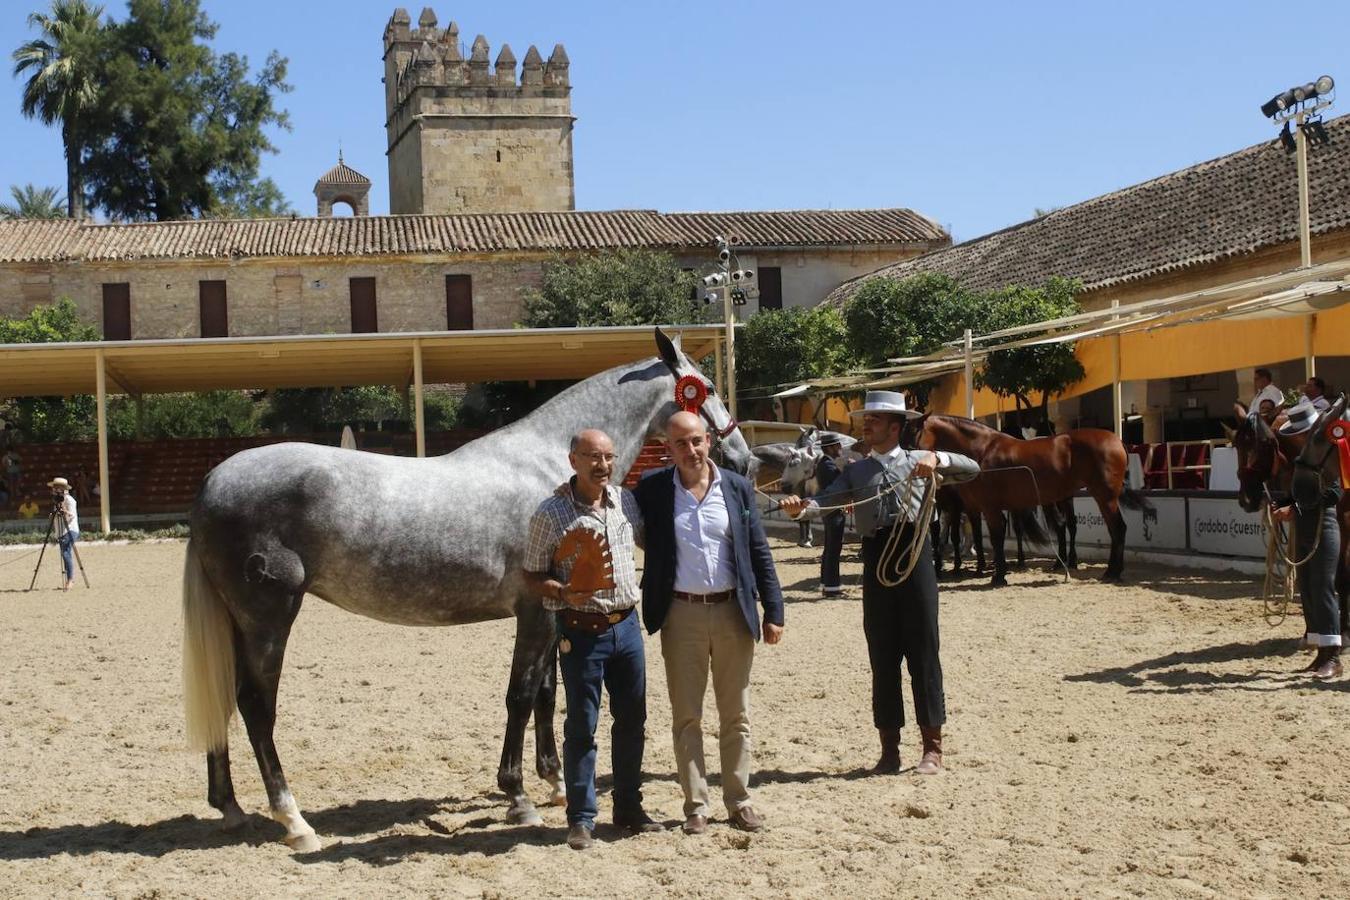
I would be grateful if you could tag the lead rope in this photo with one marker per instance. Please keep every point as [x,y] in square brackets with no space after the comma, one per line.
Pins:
[1281,567]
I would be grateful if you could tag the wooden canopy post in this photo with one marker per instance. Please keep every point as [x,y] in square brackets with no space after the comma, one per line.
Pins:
[105,489]
[419,418]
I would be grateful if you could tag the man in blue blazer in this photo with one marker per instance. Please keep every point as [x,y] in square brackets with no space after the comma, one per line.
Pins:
[706,563]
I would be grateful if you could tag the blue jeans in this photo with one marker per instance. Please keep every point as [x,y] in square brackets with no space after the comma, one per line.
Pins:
[67,544]
[615,660]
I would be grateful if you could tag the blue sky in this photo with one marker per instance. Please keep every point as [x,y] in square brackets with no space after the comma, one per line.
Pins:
[972,113]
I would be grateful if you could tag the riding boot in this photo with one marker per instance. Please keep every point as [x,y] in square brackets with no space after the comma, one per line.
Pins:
[1328,664]
[931,764]
[889,763]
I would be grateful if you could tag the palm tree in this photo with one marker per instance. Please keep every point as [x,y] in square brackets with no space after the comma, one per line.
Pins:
[61,85]
[32,202]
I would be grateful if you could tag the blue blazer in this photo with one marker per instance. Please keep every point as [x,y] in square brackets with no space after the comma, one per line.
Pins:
[755,574]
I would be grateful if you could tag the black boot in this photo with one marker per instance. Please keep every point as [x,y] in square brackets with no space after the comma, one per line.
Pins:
[889,763]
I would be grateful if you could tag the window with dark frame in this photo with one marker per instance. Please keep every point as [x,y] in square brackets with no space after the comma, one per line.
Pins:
[364,318]
[215,318]
[770,287]
[117,311]
[459,302]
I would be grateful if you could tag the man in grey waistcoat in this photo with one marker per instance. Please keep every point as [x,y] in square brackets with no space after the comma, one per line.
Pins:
[900,622]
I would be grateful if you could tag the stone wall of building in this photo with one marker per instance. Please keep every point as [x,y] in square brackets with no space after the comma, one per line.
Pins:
[267,297]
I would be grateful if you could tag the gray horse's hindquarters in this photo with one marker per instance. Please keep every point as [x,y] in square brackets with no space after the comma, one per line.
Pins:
[405,541]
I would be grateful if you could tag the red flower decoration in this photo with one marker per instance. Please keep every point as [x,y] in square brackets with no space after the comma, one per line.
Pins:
[690,393]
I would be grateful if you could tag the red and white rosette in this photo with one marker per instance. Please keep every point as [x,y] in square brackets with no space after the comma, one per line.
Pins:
[690,393]
[1338,432]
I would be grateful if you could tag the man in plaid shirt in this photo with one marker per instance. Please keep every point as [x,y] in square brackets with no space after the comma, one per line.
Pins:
[600,638]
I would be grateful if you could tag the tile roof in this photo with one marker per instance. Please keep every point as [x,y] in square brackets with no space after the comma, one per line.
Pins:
[28,241]
[343,174]
[1227,207]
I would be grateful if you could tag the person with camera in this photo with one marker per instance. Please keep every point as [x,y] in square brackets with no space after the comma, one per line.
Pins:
[67,527]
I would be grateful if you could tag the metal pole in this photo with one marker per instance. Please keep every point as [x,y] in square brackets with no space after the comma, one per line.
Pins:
[1304,235]
[1304,229]
[719,379]
[105,489]
[419,419]
[970,376]
[729,314]
[1117,405]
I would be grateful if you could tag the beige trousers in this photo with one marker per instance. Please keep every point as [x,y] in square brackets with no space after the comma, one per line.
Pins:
[695,638]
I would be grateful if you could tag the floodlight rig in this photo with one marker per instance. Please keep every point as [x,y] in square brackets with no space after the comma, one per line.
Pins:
[732,280]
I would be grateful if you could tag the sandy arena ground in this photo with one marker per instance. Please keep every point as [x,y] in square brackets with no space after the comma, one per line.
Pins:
[1145,740]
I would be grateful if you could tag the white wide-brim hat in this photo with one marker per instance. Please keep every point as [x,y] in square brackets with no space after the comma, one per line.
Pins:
[892,402]
[1299,418]
[59,483]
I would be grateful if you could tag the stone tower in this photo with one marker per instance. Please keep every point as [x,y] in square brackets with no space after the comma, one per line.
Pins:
[463,139]
[342,184]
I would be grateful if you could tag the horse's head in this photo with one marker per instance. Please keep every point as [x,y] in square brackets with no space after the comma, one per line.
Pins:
[801,465]
[729,444]
[1258,456]
[1318,462]
[914,434]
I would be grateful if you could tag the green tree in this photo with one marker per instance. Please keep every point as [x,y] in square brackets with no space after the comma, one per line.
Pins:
[49,418]
[32,202]
[185,415]
[61,85]
[890,317]
[1048,369]
[780,346]
[619,287]
[181,129]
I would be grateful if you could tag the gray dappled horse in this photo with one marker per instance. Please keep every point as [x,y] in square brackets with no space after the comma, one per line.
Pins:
[409,541]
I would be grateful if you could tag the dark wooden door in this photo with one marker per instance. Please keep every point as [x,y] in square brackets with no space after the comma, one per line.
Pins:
[117,311]
[364,320]
[770,287]
[215,317]
[459,302]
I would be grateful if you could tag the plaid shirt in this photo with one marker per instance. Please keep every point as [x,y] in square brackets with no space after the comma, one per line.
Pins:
[621,523]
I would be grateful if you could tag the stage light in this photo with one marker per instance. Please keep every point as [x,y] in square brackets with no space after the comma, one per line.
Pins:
[714,279]
[1315,131]
[1324,85]
[1287,138]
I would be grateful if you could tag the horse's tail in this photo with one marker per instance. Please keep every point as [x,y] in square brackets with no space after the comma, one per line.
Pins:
[1133,499]
[208,659]
[1029,524]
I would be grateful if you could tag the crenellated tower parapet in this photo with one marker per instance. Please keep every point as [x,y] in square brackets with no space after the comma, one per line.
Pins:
[467,133]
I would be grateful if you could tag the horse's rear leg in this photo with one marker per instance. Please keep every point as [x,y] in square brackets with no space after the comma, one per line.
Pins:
[998,530]
[536,641]
[977,539]
[1115,526]
[546,762]
[220,789]
[1070,518]
[261,653]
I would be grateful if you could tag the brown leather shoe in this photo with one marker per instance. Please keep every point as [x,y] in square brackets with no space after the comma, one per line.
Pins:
[931,764]
[889,763]
[746,819]
[1330,668]
[695,824]
[579,837]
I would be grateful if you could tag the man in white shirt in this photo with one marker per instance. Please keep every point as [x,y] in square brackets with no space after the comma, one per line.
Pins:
[67,528]
[1266,391]
[1315,392]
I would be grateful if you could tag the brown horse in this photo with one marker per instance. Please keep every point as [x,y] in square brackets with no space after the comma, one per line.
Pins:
[1019,475]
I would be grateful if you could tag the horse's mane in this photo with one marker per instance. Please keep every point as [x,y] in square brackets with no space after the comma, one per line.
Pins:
[967,425]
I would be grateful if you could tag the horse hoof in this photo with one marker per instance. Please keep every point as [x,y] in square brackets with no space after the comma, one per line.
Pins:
[233,820]
[304,843]
[999,581]
[524,814]
[557,796]
[1111,577]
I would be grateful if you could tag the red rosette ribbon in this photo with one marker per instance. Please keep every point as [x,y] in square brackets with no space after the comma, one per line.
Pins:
[1338,432]
[690,393]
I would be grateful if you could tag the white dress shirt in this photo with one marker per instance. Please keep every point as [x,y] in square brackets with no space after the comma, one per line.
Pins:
[1269,392]
[703,554]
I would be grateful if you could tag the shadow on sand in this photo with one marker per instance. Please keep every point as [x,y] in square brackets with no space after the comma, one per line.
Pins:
[1173,673]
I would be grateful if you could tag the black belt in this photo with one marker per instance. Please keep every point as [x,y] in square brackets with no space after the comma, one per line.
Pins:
[714,597]
[594,623]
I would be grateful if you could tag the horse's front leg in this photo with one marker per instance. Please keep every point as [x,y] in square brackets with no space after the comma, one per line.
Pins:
[1071,524]
[535,639]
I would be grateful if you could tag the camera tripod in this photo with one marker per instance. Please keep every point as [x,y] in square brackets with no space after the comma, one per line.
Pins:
[57,514]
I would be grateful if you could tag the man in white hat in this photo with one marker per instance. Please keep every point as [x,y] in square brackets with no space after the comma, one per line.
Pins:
[900,622]
[1316,540]
[67,527]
